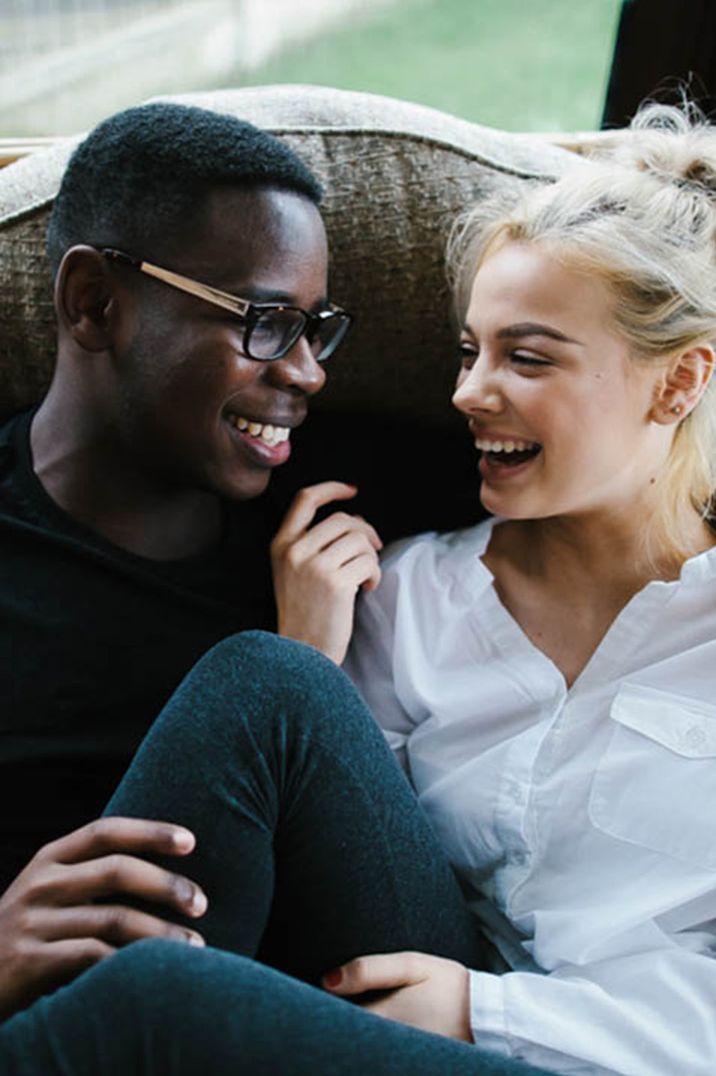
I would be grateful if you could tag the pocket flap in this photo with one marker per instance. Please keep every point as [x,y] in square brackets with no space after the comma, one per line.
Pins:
[685,726]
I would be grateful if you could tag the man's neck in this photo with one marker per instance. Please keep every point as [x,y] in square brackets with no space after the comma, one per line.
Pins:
[98,487]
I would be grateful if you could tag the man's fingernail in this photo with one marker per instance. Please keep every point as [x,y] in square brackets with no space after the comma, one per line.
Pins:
[196,939]
[333,978]
[198,903]
[184,839]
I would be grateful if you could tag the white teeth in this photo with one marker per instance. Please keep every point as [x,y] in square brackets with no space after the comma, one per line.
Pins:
[504,446]
[270,435]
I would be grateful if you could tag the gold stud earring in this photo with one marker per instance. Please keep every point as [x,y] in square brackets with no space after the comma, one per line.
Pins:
[677,409]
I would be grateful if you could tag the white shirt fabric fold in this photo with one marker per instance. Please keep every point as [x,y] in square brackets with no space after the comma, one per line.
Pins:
[586,816]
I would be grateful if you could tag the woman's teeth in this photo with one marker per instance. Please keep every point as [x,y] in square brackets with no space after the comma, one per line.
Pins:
[505,446]
[270,435]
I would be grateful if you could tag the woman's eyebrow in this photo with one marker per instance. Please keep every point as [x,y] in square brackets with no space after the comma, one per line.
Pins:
[530,328]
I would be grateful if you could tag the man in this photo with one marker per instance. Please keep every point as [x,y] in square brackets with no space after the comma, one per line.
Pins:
[190,267]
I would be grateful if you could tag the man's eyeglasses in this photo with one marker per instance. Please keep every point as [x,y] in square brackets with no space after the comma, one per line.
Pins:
[271,329]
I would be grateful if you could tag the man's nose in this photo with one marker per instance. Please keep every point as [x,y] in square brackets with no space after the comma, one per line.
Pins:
[299,370]
[478,389]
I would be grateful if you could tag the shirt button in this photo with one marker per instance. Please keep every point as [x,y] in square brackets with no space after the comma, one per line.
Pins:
[694,737]
[515,792]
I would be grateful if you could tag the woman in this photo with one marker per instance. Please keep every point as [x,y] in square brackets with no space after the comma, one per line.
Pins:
[548,675]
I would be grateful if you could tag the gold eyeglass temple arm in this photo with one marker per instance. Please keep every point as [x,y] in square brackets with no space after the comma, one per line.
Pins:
[193,287]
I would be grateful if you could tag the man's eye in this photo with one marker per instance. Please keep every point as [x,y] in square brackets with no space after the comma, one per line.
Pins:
[467,355]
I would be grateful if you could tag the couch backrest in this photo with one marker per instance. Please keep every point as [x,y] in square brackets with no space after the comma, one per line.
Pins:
[395,176]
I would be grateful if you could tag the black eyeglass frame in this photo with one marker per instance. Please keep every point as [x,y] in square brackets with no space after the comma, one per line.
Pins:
[248,311]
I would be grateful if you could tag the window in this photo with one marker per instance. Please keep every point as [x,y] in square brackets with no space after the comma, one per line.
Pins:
[516,64]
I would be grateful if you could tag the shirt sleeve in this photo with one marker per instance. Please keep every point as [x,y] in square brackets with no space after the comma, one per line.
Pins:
[649,1013]
[369,664]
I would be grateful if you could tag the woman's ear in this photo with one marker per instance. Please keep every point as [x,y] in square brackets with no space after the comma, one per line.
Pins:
[683,385]
[84,292]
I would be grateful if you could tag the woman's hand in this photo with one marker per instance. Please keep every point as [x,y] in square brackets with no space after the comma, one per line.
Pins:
[427,992]
[51,929]
[319,569]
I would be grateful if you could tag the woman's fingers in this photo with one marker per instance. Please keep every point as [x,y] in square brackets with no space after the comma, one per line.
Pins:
[355,567]
[342,552]
[304,507]
[323,535]
[383,971]
[319,567]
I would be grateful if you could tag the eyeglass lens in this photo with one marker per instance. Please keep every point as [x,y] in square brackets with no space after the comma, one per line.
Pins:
[275,332]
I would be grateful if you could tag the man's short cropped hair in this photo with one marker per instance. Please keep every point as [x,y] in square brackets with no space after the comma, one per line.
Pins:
[140,175]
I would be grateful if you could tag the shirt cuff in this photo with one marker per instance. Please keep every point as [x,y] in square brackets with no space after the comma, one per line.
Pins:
[487,1013]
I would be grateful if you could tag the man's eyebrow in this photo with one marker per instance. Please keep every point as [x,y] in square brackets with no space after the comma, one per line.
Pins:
[531,328]
[267,295]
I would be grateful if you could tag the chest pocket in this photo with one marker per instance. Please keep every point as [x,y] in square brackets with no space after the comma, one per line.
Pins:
[655,785]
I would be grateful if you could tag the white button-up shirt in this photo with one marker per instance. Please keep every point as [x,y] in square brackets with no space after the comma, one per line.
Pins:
[586,816]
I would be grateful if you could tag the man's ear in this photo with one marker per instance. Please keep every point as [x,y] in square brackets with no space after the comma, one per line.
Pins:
[84,293]
[683,385]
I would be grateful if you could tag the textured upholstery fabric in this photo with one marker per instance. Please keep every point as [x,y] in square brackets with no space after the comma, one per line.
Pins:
[395,175]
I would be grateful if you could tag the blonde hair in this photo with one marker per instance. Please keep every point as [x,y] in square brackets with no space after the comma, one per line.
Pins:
[643,220]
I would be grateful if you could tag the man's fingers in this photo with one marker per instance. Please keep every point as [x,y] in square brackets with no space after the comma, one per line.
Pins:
[305,505]
[114,924]
[108,835]
[120,874]
[384,971]
[63,960]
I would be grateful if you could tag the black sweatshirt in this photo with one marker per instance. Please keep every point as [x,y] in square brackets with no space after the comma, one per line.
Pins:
[93,640]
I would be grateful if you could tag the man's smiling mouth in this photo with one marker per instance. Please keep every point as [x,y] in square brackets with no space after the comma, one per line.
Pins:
[262,431]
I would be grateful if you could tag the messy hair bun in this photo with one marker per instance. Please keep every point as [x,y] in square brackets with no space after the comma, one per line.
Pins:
[676,145]
[642,218]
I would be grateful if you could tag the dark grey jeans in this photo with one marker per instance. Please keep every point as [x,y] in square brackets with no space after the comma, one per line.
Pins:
[311,849]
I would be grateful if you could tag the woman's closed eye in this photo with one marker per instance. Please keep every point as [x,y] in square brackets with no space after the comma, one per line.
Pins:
[523,358]
[467,354]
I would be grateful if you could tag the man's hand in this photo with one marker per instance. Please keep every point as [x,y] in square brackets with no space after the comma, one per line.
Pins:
[319,569]
[427,992]
[51,929]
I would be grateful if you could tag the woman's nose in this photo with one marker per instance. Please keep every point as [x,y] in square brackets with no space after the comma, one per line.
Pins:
[477,389]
